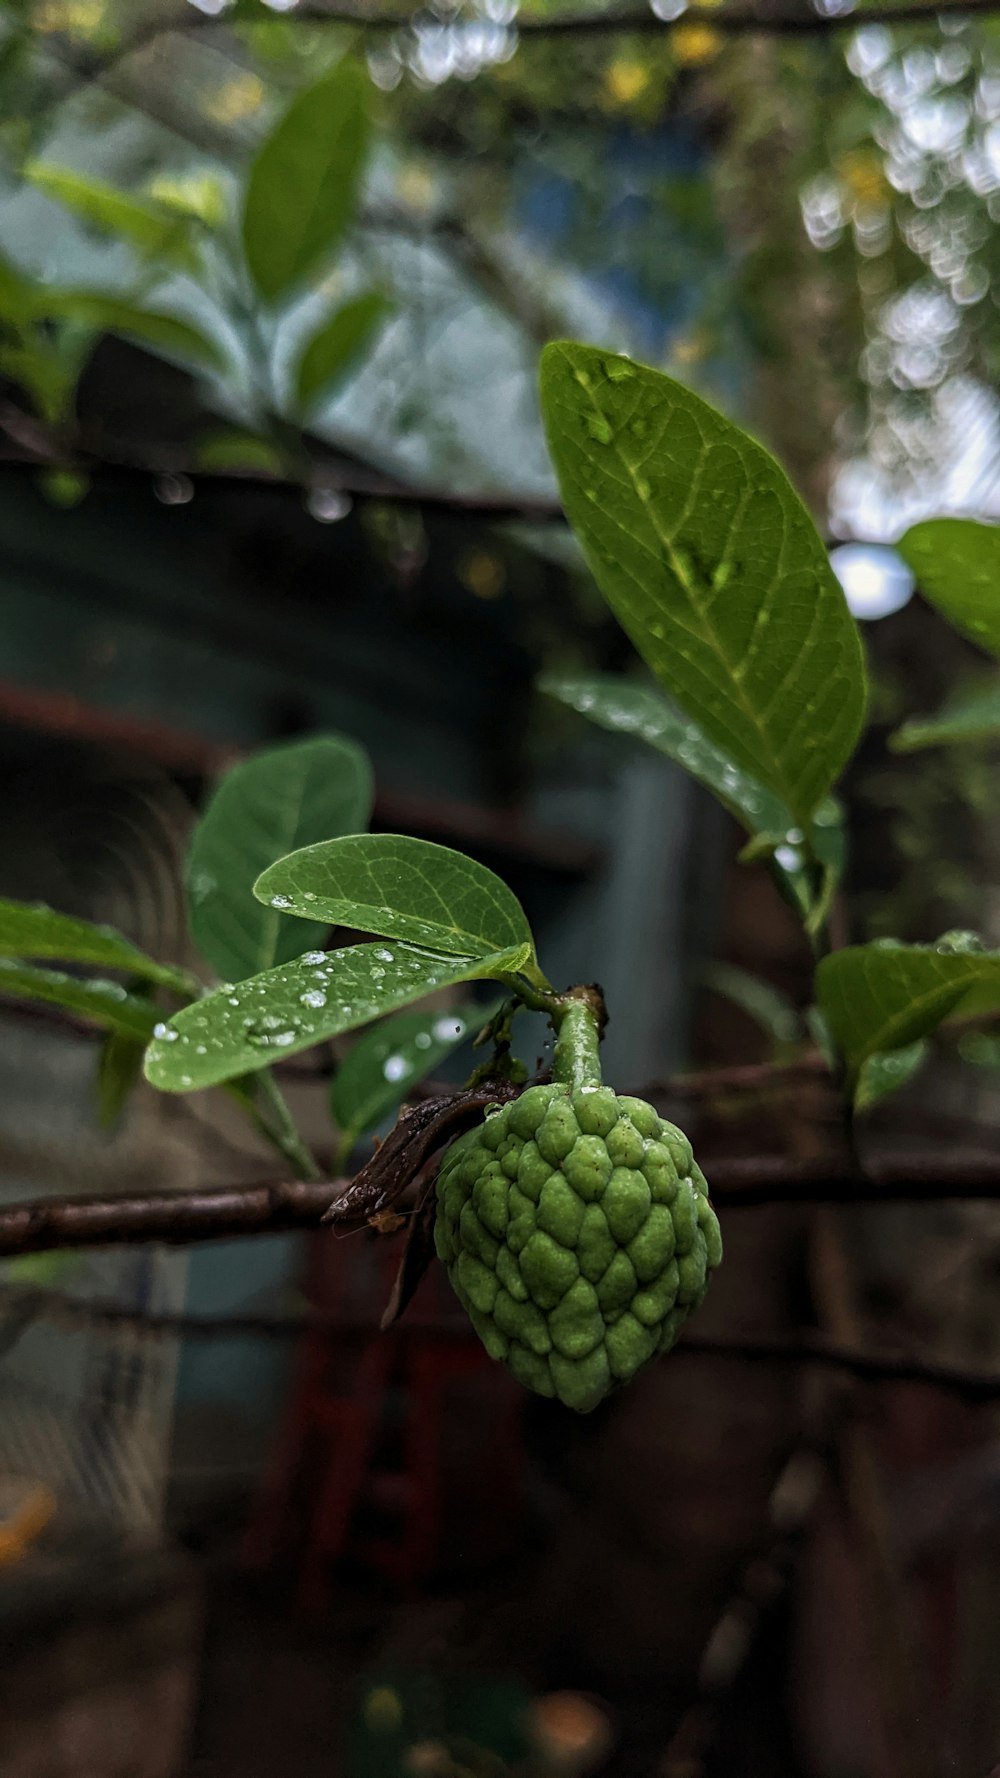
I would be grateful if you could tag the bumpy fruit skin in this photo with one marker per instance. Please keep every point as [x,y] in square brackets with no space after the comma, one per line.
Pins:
[577,1233]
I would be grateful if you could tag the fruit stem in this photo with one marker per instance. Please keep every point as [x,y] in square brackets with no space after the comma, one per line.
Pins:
[577,1022]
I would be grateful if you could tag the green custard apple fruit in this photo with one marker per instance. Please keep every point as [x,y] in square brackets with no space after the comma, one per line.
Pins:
[576,1229]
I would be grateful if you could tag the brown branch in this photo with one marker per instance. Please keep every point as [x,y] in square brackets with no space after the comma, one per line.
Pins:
[732,20]
[272,1207]
[747,1077]
[25,1304]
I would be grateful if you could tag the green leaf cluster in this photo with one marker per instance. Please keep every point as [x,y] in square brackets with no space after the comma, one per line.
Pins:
[296,205]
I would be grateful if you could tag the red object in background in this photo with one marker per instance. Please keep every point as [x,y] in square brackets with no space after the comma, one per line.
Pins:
[367,1423]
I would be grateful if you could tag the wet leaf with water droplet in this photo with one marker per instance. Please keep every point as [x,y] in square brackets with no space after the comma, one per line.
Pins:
[626,708]
[402,888]
[388,1061]
[881,997]
[223,1042]
[766,660]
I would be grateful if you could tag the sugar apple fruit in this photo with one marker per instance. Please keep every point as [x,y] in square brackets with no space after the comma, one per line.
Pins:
[576,1230]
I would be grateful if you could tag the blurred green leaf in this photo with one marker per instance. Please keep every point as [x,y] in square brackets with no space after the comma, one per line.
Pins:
[760,1000]
[107,1004]
[234,451]
[884,996]
[107,313]
[957,565]
[155,233]
[885,1073]
[618,704]
[200,196]
[29,929]
[303,184]
[299,1004]
[285,797]
[337,345]
[971,715]
[16,292]
[400,888]
[119,1067]
[712,565]
[386,1062]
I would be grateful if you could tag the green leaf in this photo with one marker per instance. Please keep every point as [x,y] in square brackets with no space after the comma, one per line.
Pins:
[387,1061]
[232,451]
[119,1067]
[971,715]
[400,888]
[337,345]
[303,184]
[299,1004]
[884,996]
[156,233]
[107,313]
[885,1073]
[285,797]
[957,565]
[712,565]
[201,197]
[105,1003]
[16,292]
[765,1004]
[619,704]
[29,929]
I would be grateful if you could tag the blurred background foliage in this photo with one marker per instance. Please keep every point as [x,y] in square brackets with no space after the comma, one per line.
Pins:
[799,225]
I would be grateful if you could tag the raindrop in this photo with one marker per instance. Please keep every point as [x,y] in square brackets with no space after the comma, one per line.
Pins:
[174,490]
[423,1040]
[618,370]
[395,1067]
[376,973]
[385,956]
[788,857]
[234,1000]
[200,1049]
[313,957]
[445,1029]
[314,997]
[262,1036]
[281,901]
[328,505]
[165,1033]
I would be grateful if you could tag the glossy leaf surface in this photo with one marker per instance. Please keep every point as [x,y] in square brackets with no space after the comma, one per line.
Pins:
[299,1004]
[885,996]
[712,565]
[400,888]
